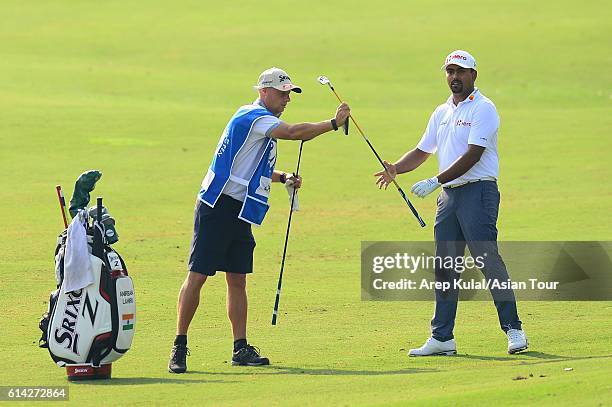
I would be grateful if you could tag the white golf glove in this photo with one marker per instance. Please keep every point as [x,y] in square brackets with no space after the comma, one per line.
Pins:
[290,188]
[425,187]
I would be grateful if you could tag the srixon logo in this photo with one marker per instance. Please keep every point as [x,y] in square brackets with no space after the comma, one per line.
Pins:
[66,334]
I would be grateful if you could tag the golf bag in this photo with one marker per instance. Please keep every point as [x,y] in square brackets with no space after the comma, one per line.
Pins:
[89,328]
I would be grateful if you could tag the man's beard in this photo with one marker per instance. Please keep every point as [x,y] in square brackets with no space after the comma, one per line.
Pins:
[456,87]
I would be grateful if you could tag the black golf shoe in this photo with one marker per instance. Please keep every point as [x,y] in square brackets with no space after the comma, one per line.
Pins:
[249,356]
[178,359]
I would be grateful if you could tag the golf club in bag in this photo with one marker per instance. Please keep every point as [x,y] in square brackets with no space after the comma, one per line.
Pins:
[91,315]
[324,80]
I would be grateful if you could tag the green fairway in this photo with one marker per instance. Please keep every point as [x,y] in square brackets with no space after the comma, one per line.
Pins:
[142,91]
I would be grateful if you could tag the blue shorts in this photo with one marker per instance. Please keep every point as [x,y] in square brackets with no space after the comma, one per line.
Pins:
[221,241]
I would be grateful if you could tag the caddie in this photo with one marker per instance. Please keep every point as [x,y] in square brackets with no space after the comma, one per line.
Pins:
[233,196]
[463,131]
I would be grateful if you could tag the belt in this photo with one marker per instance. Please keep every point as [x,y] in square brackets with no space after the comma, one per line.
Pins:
[471,182]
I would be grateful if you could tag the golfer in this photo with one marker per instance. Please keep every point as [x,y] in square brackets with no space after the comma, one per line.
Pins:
[463,131]
[233,196]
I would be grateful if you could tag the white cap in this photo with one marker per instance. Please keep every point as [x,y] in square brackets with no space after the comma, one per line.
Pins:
[276,78]
[462,58]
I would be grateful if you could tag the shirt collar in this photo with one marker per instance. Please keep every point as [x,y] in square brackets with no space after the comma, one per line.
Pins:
[472,97]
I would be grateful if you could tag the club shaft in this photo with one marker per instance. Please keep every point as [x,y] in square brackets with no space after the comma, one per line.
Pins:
[412,208]
[366,139]
[280,276]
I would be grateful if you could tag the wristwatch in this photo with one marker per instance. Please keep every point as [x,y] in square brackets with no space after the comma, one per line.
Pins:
[334,124]
[283,177]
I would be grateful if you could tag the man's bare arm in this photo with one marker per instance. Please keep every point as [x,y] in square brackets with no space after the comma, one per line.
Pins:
[462,164]
[411,160]
[308,131]
[301,131]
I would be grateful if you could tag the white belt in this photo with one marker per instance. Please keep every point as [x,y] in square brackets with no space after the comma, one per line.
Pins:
[471,182]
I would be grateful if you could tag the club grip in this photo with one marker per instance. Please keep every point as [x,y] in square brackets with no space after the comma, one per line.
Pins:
[98,237]
[99,210]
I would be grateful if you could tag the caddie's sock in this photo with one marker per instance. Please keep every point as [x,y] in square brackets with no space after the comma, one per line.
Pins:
[239,344]
[180,340]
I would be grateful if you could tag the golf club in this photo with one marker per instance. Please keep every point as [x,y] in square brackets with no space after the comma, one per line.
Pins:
[323,80]
[280,276]
[62,204]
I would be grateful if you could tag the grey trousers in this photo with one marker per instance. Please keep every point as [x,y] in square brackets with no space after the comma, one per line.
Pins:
[467,215]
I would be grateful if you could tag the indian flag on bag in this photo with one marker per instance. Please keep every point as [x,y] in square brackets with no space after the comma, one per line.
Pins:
[128,321]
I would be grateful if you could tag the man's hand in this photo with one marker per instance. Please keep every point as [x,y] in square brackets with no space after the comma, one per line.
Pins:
[292,184]
[342,113]
[296,181]
[425,187]
[386,177]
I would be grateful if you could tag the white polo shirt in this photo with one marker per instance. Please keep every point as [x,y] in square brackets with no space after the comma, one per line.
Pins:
[451,128]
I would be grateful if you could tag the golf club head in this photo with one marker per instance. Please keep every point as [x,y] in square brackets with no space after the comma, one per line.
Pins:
[323,80]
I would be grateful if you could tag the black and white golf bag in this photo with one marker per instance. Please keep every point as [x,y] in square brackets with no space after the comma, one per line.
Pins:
[88,329]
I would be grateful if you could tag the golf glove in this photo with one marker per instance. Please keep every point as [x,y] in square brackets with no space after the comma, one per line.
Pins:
[290,188]
[425,187]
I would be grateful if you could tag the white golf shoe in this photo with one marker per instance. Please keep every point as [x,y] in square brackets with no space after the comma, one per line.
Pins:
[434,347]
[517,340]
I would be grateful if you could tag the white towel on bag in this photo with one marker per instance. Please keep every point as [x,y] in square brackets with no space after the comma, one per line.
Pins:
[78,271]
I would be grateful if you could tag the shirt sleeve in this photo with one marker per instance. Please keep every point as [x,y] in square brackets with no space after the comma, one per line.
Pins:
[484,126]
[264,126]
[429,143]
